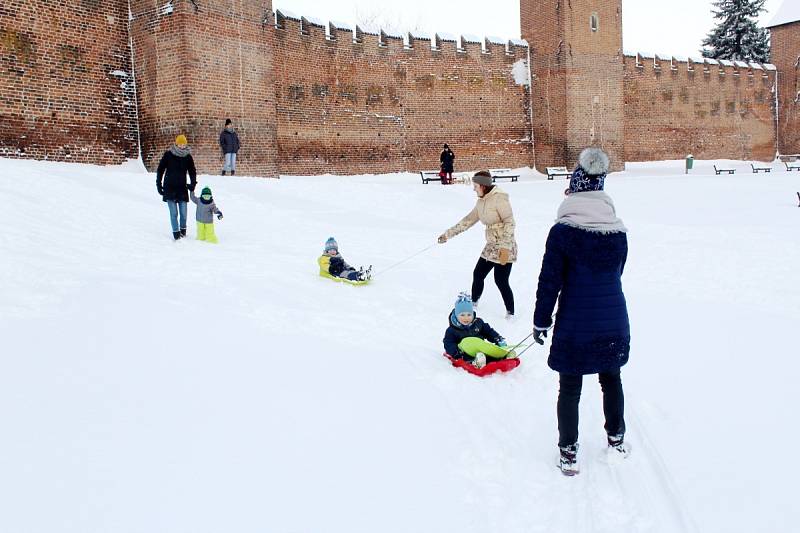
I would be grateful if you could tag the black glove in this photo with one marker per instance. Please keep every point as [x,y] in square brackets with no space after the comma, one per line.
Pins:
[219,215]
[191,187]
[160,191]
[538,334]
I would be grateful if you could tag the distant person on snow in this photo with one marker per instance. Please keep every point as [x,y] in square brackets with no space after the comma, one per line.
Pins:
[229,143]
[470,338]
[582,268]
[334,264]
[494,210]
[447,158]
[175,164]
[206,209]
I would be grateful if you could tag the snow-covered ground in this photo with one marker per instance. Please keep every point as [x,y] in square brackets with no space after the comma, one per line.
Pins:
[153,386]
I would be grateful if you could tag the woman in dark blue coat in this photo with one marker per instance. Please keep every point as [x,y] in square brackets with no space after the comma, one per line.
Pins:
[582,268]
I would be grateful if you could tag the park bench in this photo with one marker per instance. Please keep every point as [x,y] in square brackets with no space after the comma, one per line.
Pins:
[792,166]
[756,169]
[429,175]
[721,170]
[502,174]
[557,171]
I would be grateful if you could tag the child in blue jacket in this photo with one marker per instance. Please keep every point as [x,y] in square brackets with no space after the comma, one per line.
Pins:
[470,338]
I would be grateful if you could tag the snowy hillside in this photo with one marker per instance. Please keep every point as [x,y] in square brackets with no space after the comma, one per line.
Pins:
[153,386]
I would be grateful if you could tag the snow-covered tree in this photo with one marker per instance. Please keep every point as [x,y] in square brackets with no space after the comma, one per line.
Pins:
[737,36]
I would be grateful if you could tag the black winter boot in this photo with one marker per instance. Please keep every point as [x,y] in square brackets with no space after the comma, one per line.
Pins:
[617,444]
[183,232]
[233,172]
[568,461]
[223,172]
[176,235]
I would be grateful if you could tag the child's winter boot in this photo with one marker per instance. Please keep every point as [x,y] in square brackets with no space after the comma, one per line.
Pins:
[480,360]
[183,232]
[176,235]
[568,459]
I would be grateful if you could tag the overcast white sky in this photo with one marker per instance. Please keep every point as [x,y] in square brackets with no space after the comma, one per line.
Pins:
[666,26]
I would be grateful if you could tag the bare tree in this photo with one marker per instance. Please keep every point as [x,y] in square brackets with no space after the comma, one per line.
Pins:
[372,18]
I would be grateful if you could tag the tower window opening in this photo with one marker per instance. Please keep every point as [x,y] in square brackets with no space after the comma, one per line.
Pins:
[594,22]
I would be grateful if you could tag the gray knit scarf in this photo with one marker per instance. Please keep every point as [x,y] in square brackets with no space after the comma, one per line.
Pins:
[591,211]
[180,152]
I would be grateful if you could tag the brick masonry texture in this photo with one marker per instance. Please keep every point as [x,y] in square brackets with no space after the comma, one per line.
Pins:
[376,106]
[578,77]
[199,64]
[304,102]
[709,111]
[66,91]
[785,55]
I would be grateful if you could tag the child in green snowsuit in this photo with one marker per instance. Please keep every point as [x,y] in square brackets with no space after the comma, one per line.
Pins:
[470,338]
[206,209]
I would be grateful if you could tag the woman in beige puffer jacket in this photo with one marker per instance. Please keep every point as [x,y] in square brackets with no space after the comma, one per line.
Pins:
[494,210]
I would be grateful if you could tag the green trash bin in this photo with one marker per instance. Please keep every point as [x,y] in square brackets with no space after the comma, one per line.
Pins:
[689,162]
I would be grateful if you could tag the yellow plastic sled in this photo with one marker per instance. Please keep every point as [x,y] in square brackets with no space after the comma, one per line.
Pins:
[324,261]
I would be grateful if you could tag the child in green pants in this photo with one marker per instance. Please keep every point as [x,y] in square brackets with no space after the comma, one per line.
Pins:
[206,208]
[470,338]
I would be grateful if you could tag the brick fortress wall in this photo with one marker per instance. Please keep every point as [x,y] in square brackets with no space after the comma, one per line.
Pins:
[377,105]
[712,111]
[198,64]
[66,91]
[785,54]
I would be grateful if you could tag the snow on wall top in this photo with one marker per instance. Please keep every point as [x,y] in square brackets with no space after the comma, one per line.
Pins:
[788,13]
[286,19]
[675,60]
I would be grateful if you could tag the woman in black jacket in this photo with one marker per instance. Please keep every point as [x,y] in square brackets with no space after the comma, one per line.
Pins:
[446,159]
[171,183]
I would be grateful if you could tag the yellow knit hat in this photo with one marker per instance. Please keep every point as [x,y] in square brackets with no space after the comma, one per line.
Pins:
[181,139]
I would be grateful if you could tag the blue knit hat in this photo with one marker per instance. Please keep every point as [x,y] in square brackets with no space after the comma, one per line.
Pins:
[464,304]
[331,244]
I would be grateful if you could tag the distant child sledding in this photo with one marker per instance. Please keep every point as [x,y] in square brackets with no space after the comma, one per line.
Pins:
[472,344]
[206,209]
[333,266]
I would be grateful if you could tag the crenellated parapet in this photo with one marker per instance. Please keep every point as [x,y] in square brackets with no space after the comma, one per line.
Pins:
[645,63]
[410,44]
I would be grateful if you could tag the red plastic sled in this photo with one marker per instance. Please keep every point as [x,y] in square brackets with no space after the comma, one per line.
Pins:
[503,365]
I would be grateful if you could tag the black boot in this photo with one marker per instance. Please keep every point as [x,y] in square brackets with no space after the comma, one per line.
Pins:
[176,235]
[223,172]
[233,172]
[568,460]
[183,232]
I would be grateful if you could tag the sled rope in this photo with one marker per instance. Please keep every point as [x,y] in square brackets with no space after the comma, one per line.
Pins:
[520,344]
[404,260]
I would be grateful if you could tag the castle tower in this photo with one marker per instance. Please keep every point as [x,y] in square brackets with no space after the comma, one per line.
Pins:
[785,54]
[577,68]
[198,63]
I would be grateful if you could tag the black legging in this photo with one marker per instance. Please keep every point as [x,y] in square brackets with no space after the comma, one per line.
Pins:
[501,275]
[569,395]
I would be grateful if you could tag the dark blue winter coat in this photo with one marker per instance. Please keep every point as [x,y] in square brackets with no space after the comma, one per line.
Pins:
[456,333]
[582,270]
[229,141]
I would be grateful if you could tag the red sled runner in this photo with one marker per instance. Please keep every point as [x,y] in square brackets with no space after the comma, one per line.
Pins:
[503,365]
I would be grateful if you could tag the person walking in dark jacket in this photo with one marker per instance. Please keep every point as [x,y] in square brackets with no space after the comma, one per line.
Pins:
[229,143]
[175,164]
[446,159]
[582,269]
